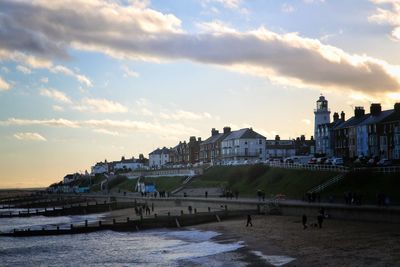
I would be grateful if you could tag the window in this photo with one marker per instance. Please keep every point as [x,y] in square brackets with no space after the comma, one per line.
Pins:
[260,142]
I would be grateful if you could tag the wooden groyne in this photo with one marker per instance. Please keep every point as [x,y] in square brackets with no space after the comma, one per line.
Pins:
[155,222]
[73,209]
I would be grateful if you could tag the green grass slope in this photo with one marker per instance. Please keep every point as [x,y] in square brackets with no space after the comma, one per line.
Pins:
[368,184]
[248,179]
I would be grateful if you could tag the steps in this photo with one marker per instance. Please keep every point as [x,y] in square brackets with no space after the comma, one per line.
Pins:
[328,183]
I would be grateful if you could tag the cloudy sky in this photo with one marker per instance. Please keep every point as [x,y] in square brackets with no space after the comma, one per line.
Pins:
[86,80]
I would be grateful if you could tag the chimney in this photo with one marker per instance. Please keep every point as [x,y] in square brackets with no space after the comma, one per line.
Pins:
[375,109]
[277,138]
[214,132]
[227,130]
[359,112]
[192,139]
[335,117]
[199,139]
[312,138]
[302,137]
[397,107]
[342,116]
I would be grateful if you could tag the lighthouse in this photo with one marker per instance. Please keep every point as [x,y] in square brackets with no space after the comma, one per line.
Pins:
[322,114]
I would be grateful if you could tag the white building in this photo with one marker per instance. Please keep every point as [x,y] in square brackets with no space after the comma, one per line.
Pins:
[100,168]
[243,145]
[128,164]
[159,157]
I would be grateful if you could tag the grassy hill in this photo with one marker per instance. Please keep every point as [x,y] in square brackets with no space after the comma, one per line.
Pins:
[248,179]
[368,184]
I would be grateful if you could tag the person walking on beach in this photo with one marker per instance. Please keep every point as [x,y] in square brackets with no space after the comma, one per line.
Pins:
[206,194]
[249,221]
[320,219]
[304,220]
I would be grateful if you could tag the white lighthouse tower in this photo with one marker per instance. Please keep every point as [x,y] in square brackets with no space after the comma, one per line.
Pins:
[322,114]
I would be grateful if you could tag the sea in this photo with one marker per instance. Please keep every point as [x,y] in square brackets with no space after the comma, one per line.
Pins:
[162,247]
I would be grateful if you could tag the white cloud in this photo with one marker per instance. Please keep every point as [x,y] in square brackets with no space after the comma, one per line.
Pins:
[23,69]
[58,108]
[306,121]
[29,137]
[215,27]
[388,14]
[100,106]
[287,8]
[51,122]
[44,80]
[5,69]
[157,128]
[55,94]
[4,86]
[132,32]
[66,71]
[107,132]
[313,1]
[128,72]
[184,115]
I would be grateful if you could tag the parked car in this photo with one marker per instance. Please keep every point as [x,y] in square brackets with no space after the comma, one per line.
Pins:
[312,161]
[321,160]
[337,161]
[328,161]
[384,163]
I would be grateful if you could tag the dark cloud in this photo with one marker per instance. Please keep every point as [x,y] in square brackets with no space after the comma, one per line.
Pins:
[49,29]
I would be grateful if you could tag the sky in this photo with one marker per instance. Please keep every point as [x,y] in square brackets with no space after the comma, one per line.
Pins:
[82,81]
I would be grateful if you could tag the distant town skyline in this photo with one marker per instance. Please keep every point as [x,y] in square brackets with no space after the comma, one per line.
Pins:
[83,81]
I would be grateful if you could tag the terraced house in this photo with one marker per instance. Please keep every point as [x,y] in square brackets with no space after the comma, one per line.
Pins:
[243,145]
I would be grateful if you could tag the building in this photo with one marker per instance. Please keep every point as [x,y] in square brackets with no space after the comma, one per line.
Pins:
[210,149]
[288,148]
[369,131]
[127,164]
[304,147]
[321,116]
[159,157]
[390,136]
[325,135]
[346,135]
[100,168]
[279,148]
[186,152]
[243,145]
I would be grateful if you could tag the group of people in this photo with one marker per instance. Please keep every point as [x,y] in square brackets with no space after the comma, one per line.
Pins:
[351,198]
[382,199]
[312,197]
[144,208]
[320,219]
[161,194]
[229,194]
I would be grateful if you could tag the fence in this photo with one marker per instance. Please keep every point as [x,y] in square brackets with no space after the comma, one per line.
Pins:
[310,167]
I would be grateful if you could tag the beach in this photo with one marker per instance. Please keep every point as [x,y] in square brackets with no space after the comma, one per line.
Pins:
[338,243]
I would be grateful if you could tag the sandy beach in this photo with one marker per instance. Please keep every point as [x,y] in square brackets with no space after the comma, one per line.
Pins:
[338,243]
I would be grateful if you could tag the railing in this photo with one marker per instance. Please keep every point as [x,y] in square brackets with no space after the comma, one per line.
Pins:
[330,182]
[241,154]
[310,167]
[388,169]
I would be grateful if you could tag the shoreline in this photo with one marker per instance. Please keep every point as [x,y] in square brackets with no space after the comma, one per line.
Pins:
[338,243]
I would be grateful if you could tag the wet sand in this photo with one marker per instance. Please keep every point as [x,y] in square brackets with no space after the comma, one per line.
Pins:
[338,243]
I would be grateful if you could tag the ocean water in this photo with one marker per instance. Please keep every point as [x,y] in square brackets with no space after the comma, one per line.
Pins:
[188,247]
[107,248]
